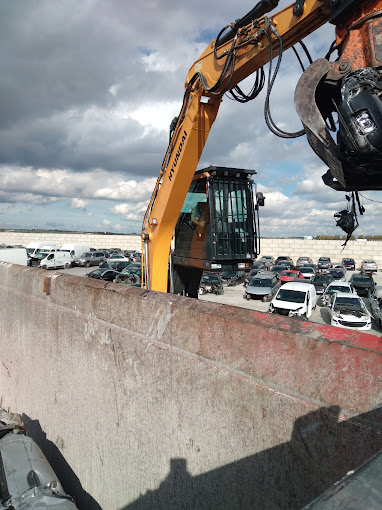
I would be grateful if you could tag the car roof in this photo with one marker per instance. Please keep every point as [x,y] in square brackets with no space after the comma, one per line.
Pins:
[347,295]
[302,286]
[337,283]
[264,274]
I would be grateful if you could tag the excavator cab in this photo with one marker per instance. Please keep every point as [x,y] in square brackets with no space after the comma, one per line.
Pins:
[217,229]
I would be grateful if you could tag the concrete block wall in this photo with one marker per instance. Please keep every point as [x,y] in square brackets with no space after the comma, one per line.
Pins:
[294,248]
[143,400]
[125,242]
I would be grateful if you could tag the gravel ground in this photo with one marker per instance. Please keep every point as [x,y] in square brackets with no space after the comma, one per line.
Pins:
[234,296]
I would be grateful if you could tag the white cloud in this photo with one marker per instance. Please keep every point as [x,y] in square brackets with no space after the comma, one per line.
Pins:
[106,223]
[77,203]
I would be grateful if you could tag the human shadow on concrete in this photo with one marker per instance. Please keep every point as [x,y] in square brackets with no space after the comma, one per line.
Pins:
[322,449]
[64,472]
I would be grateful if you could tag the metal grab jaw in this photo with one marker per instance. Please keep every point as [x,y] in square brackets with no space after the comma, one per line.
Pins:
[355,158]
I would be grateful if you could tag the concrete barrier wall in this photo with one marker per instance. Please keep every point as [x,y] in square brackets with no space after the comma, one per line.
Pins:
[294,248]
[142,400]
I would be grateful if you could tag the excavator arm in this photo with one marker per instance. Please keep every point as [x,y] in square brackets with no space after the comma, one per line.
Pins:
[240,50]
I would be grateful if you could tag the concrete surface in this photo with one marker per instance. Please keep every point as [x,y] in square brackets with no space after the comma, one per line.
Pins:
[142,400]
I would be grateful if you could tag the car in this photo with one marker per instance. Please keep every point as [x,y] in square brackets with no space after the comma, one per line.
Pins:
[263,286]
[267,260]
[368,266]
[253,272]
[332,288]
[211,283]
[290,275]
[278,269]
[348,311]
[236,277]
[375,299]
[294,298]
[103,274]
[116,264]
[287,264]
[339,265]
[119,256]
[257,264]
[302,261]
[90,258]
[284,258]
[349,264]
[307,272]
[321,281]
[362,283]
[130,275]
[337,274]
[324,263]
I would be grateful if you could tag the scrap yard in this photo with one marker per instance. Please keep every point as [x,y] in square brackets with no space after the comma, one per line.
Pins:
[196,364]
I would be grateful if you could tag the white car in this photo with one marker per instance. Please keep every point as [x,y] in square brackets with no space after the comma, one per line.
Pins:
[334,287]
[307,272]
[294,298]
[349,311]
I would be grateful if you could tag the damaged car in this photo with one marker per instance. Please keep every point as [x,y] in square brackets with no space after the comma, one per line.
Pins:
[27,481]
[349,311]
[211,283]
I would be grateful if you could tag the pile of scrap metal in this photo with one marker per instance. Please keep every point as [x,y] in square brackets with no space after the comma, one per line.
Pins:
[27,481]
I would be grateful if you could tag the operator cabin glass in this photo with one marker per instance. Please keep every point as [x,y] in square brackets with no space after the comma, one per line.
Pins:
[222,207]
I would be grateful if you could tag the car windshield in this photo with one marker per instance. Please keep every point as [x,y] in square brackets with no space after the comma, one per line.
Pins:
[257,265]
[97,272]
[261,282]
[324,259]
[42,254]
[337,288]
[293,296]
[307,270]
[210,279]
[322,278]
[303,259]
[369,261]
[348,303]
[86,255]
[289,274]
[348,261]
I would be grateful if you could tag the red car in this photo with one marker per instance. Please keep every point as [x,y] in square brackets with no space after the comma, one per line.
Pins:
[291,275]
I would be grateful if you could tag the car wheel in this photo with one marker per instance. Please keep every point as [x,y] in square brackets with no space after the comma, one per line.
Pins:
[247,297]
[44,267]
[380,323]
[264,299]
[66,265]
[87,264]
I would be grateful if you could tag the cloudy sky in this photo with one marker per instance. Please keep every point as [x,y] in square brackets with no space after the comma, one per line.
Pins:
[88,90]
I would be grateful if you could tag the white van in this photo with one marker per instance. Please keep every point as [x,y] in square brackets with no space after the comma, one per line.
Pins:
[14,256]
[56,259]
[294,298]
[75,249]
[33,247]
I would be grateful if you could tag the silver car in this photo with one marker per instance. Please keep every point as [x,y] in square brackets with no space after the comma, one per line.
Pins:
[263,286]
[369,266]
[375,298]
[91,258]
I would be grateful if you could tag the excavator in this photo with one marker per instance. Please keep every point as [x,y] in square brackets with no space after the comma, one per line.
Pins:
[211,215]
